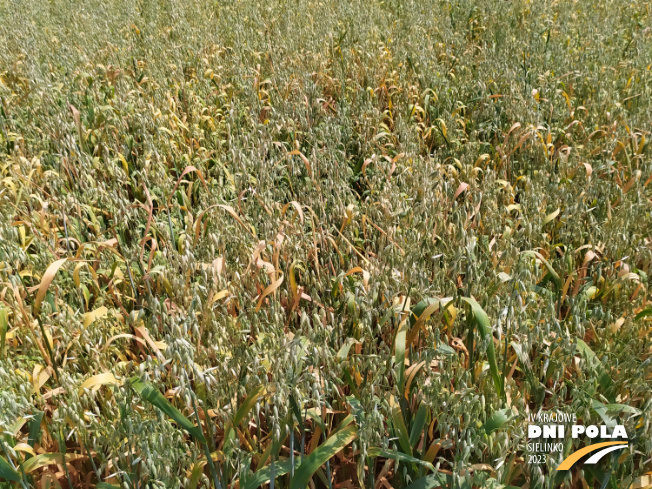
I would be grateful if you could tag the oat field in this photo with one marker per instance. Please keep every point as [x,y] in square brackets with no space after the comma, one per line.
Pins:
[319,244]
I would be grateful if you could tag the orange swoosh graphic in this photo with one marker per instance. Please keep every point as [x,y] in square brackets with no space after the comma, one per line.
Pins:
[574,457]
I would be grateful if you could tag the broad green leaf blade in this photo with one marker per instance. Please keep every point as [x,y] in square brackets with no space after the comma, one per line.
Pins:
[344,351]
[343,424]
[417,424]
[400,456]
[595,364]
[316,459]
[151,394]
[421,306]
[554,276]
[497,420]
[422,311]
[430,481]
[399,356]
[484,328]
[106,485]
[644,313]
[35,428]
[616,408]
[401,430]
[46,459]
[248,404]
[264,475]
[7,472]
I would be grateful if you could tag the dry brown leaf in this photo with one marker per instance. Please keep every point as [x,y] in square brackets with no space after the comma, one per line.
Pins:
[48,276]
[303,158]
[270,288]
[296,206]
[462,187]
[187,170]
[365,275]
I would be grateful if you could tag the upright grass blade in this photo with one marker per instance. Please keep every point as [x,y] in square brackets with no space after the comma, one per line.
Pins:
[399,355]
[151,394]
[604,379]
[321,455]
[243,410]
[207,451]
[248,404]
[418,423]
[401,430]
[4,325]
[554,276]
[484,328]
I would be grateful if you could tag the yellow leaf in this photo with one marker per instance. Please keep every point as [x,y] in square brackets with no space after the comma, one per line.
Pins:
[642,482]
[296,206]
[220,295]
[48,276]
[365,275]
[40,376]
[24,447]
[551,216]
[271,288]
[96,381]
[90,317]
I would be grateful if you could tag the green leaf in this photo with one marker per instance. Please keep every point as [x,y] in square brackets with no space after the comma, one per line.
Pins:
[554,276]
[399,356]
[400,456]
[248,404]
[344,351]
[196,473]
[430,481]
[106,485]
[604,380]
[421,306]
[46,459]
[264,475]
[35,428]
[497,420]
[151,394]
[401,430]
[644,313]
[7,472]
[417,424]
[484,328]
[422,312]
[444,349]
[324,452]
[603,411]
